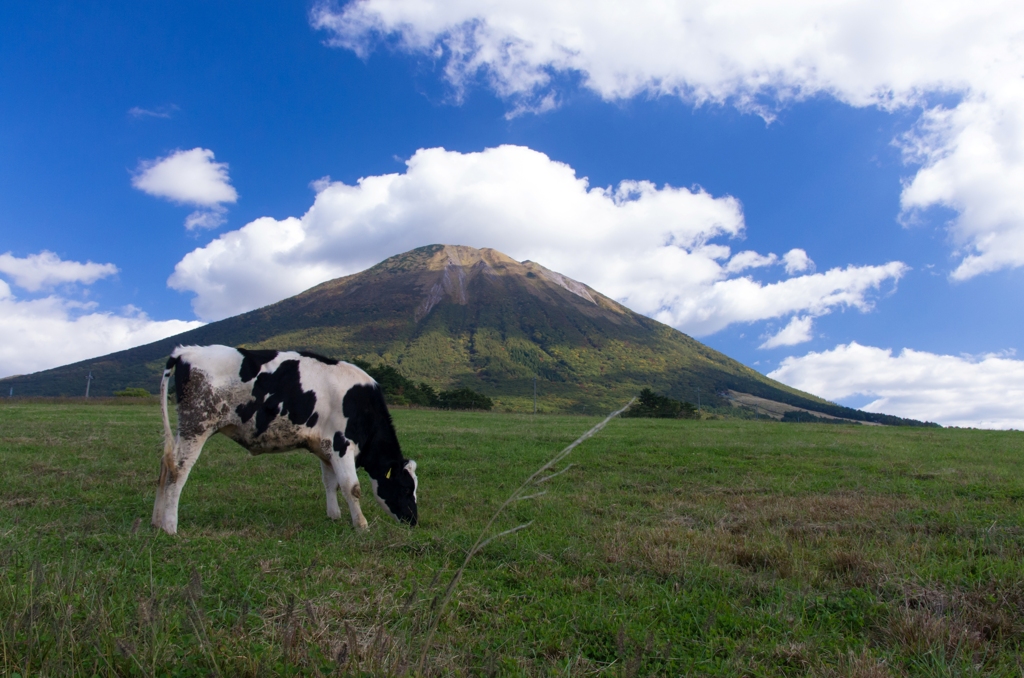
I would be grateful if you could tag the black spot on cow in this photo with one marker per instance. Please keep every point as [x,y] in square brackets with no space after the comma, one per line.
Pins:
[316,356]
[279,392]
[252,361]
[369,423]
[182,373]
[340,444]
[370,427]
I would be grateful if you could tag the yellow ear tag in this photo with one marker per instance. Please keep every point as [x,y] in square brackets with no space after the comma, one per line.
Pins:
[388,476]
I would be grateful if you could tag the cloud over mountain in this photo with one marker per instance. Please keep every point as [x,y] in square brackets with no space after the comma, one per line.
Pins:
[649,247]
[983,391]
[969,148]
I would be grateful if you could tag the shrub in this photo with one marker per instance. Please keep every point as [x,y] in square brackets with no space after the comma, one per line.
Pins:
[650,404]
[133,392]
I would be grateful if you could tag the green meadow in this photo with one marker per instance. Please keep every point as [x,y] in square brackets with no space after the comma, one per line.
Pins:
[670,547]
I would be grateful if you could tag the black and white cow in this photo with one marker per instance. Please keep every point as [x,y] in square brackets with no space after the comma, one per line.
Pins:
[274,401]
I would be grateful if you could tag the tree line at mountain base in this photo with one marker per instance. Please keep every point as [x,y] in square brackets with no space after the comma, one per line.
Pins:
[653,405]
[400,390]
[650,404]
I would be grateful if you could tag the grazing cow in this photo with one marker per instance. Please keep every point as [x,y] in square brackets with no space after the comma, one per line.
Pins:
[274,401]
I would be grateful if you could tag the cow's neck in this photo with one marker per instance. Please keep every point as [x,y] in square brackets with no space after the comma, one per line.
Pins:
[377,459]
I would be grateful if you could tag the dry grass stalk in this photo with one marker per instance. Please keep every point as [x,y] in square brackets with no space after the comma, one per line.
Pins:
[482,540]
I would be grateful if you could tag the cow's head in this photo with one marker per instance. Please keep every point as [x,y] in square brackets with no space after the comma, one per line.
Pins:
[396,491]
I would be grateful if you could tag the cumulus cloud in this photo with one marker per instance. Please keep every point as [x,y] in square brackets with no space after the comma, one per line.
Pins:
[46,269]
[973,163]
[797,261]
[43,333]
[796,332]
[52,331]
[189,178]
[649,247]
[759,56]
[984,392]
[749,259]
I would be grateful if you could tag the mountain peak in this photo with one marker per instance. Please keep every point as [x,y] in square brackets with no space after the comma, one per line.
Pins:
[447,272]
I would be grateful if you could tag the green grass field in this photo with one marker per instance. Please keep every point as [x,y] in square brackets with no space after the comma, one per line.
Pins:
[670,548]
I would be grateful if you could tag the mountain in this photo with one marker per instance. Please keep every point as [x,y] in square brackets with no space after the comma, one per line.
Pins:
[453,317]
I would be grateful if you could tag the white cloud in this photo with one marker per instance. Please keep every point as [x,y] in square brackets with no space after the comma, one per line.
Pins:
[973,157]
[797,261]
[43,333]
[211,218]
[759,56]
[648,247]
[190,178]
[36,334]
[711,306]
[264,261]
[46,269]
[749,259]
[799,330]
[984,392]
[158,112]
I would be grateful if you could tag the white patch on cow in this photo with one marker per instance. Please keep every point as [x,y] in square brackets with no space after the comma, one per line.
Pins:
[411,468]
[220,363]
[380,501]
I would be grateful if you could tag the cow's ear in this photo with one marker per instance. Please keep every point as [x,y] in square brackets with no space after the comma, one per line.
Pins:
[410,466]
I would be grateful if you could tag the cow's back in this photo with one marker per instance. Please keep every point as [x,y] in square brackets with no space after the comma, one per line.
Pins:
[269,400]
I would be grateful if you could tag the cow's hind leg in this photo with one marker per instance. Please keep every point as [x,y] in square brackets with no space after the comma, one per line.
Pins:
[331,488]
[186,453]
[345,473]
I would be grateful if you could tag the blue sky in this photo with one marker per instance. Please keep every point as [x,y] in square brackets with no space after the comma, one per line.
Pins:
[886,161]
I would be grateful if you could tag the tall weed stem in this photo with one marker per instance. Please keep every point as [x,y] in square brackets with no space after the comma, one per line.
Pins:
[482,539]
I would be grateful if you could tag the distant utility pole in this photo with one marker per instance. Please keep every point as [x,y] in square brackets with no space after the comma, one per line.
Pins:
[535,395]
[698,401]
[88,383]
[12,393]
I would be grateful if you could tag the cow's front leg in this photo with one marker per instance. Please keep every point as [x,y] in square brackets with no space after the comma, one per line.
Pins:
[331,488]
[345,473]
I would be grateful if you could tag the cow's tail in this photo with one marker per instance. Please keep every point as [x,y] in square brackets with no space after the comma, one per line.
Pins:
[167,463]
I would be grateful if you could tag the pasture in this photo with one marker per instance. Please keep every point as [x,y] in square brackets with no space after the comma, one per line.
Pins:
[669,548]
